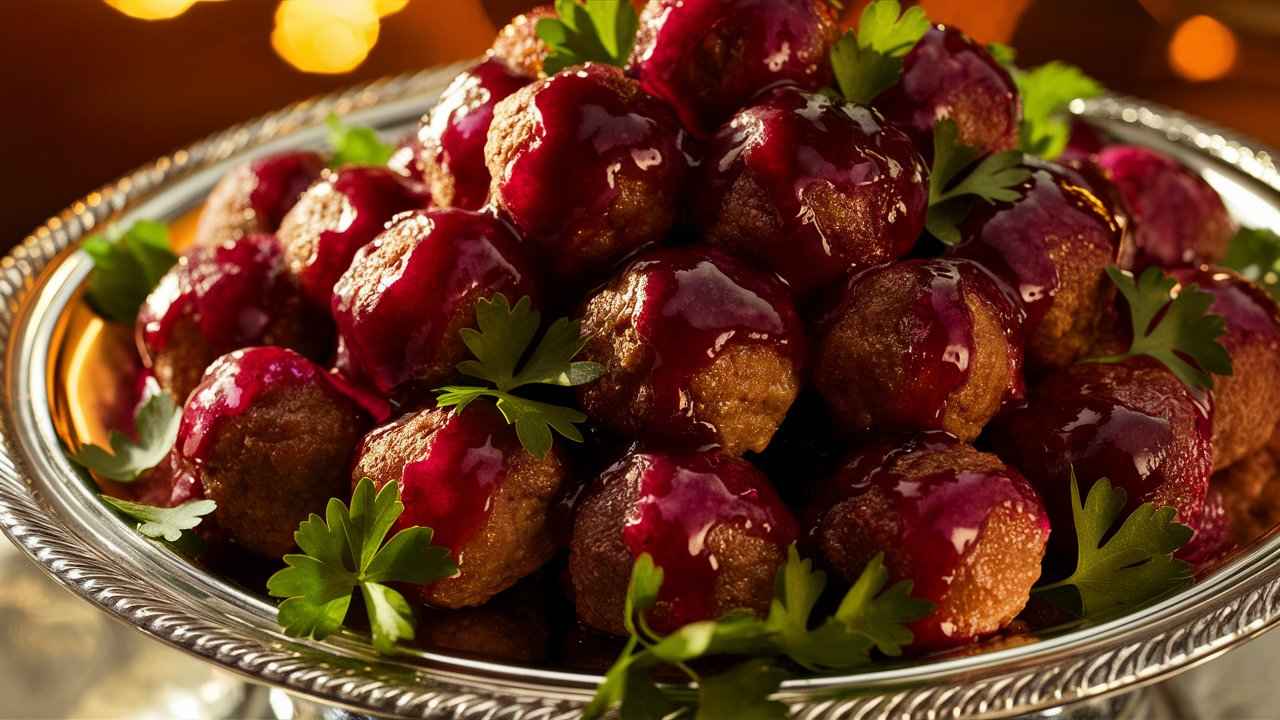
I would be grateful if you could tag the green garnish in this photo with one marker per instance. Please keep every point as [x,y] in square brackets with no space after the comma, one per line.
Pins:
[1046,93]
[163,523]
[503,338]
[955,182]
[1134,564]
[355,144]
[343,552]
[1255,254]
[156,423]
[868,618]
[127,265]
[1004,54]
[1179,332]
[600,31]
[869,61]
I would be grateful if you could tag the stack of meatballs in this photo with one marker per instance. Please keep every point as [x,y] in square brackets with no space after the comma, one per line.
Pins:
[786,358]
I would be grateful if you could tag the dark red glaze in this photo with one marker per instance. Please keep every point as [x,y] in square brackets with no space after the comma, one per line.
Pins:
[392,317]
[452,135]
[1133,423]
[450,487]
[948,75]
[592,136]
[1179,218]
[1015,239]
[708,58]
[234,382]
[697,302]
[799,148]
[938,516]
[231,291]
[1084,142]
[682,500]
[278,181]
[372,196]
[1213,539]
[405,159]
[938,360]
[1251,314]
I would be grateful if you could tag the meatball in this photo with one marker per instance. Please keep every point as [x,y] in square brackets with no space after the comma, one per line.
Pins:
[514,626]
[254,197]
[812,188]
[1134,423]
[405,158]
[587,167]
[269,435]
[1178,218]
[966,530]
[710,521]
[1247,402]
[948,75]
[220,298]
[400,306]
[518,44]
[464,475]
[337,216]
[697,349]
[1213,539]
[1251,493]
[921,345]
[708,58]
[452,136]
[1053,245]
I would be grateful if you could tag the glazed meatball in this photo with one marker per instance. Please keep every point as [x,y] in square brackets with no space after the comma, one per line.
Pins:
[921,345]
[254,197]
[518,45]
[1134,423]
[269,435]
[405,158]
[1251,493]
[708,58]
[948,75]
[587,167]
[710,521]
[452,136]
[337,216]
[1178,218]
[697,349]
[966,530]
[812,188]
[220,298]
[401,305]
[1214,535]
[465,476]
[1246,403]
[1052,245]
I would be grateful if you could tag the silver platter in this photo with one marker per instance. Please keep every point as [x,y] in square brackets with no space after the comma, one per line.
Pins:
[50,513]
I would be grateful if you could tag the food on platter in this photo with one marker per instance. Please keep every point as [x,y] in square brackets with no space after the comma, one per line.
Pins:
[756,349]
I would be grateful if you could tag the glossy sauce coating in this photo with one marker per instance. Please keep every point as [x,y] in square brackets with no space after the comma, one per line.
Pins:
[278,181]
[707,58]
[452,136]
[415,282]
[682,500]
[843,188]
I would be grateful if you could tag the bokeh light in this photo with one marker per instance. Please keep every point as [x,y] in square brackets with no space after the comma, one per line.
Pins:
[1202,49]
[325,36]
[152,9]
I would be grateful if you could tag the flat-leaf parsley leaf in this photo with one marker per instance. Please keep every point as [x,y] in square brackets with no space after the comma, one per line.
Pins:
[1255,254]
[589,31]
[868,61]
[127,265]
[156,424]
[955,182]
[163,523]
[355,144]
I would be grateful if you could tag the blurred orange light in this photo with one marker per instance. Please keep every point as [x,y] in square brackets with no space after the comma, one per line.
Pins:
[152,9]
[326,36]
[387,7]
[1202,49]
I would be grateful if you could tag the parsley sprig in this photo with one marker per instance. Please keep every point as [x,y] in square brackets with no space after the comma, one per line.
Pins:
[868,61]
[1255,254]
[355,144]
[1178,332]
[956,183]
[602,31]
[156,423]
[1126,567]
[163,523]
[127,265]
[499,344]
[345,551]
[1046,92]
[869,618]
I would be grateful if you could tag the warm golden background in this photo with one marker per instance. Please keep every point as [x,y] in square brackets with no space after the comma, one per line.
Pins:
[91,91]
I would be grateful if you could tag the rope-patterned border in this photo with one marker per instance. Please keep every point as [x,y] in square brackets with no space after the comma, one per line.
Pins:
[162,613]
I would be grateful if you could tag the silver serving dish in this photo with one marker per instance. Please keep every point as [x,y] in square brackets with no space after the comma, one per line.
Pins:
[49,512]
